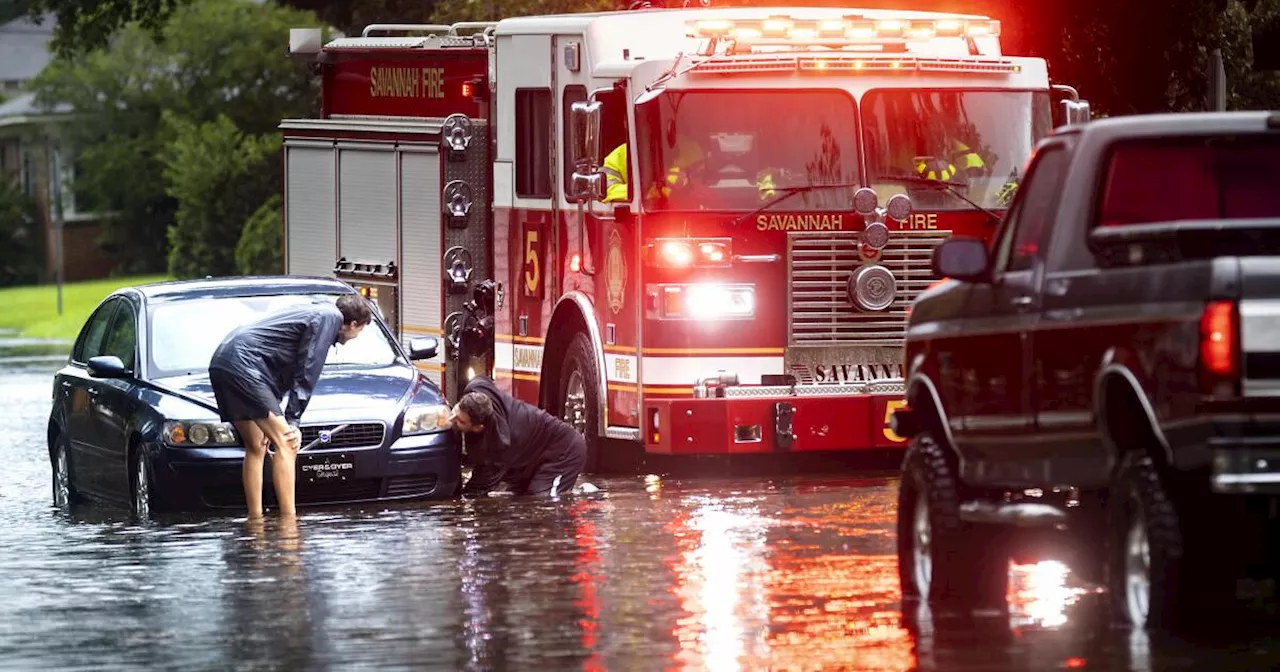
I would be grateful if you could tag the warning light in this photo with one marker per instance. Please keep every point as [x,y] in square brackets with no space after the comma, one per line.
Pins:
[468,89]
[575,263]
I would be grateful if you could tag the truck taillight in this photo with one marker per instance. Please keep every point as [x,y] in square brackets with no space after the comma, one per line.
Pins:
[1220,348]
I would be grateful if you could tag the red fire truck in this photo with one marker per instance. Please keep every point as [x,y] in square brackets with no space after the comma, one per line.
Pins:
[697,230]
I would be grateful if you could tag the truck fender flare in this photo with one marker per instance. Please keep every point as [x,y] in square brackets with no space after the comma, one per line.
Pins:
[1111,369]
[919,383]
[578,303]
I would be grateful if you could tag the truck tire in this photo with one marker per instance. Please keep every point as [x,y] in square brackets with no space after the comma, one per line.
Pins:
[579,397]
[1145,576]
[941,560]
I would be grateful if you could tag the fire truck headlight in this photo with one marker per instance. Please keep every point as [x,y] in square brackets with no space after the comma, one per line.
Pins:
[424,418]
[872,288]
[898,207]
[677,253]
[709,302]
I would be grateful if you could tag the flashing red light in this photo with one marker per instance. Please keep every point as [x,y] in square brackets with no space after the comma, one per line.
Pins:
[468,90]
[575,263]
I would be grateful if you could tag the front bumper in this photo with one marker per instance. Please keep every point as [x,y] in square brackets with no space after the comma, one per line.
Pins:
[416,467]
[762,420]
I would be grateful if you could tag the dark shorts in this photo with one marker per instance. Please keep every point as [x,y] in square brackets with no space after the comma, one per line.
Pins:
[560,469]
[241,397]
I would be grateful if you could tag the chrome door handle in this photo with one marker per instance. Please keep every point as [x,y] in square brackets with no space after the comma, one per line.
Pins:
[1021,301]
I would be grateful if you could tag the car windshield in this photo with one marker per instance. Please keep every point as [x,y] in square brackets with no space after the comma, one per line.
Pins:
[184,334]
[735,150]
[979,142]
[1216,177]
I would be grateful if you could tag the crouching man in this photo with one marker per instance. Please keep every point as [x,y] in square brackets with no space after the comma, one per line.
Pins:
[519,444]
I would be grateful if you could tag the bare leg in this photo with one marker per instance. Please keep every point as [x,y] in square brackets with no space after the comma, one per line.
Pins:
[286,440]
[255,450]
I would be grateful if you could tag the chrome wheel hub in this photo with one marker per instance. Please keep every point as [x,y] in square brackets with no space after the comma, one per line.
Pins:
[1137,572]
[575,403]
[142,490]
[921,538]
[61,479]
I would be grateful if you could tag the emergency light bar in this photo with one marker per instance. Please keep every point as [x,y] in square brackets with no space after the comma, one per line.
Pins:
[850,29]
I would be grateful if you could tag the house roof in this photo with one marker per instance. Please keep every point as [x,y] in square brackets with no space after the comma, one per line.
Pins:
[24,48]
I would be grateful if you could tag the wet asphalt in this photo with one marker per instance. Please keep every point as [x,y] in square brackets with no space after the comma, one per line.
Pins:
[655,572]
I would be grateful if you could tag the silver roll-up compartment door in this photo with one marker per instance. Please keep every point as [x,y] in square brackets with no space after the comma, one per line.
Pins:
[367,204]
[420,236]
[310,216]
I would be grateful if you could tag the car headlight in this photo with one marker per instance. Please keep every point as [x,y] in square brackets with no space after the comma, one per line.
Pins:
[424,418]
[190,434]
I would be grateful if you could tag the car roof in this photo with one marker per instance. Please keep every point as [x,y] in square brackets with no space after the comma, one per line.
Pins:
[257,285]
[1175,123]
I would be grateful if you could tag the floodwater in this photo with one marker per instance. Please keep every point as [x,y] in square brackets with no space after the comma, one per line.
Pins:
[657,573]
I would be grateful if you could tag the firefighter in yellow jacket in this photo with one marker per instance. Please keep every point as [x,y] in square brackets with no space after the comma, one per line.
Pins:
[944,169]
[687,155]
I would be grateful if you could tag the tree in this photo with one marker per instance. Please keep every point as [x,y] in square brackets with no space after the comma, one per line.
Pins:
[20,244]
[259,251]
[219,177]
[216,57]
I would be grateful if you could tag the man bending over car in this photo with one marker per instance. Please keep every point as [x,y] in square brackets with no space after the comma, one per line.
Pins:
[520,444]
[253,368]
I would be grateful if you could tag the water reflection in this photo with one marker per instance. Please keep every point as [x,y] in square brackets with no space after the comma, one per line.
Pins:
[650,573]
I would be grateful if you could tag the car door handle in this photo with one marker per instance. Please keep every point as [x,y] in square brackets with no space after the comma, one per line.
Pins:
[1021,301]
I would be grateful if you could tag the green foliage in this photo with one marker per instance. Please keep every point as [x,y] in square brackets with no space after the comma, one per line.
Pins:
[87,25]
[20,245]
[219,176]
[216,58]
[260,250]
[450,11]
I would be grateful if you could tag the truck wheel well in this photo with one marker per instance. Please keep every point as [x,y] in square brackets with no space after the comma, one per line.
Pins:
[921,401]
[1125,422]
[566,322]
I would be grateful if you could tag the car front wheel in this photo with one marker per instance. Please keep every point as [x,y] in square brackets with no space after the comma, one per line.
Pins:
[143,504]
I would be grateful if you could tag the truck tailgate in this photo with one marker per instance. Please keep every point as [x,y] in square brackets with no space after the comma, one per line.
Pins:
[1260,325]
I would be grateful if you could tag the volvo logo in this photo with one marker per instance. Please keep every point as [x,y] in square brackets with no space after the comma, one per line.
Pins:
[325,436]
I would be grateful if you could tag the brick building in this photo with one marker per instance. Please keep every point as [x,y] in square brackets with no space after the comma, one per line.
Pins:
[31,143]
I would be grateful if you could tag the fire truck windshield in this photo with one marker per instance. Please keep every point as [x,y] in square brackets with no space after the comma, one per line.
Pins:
[976,141]
[737,150]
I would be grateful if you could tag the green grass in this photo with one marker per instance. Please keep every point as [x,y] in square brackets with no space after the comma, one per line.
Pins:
[33,310]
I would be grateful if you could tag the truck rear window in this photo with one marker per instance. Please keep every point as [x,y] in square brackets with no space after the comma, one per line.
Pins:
[1220,177]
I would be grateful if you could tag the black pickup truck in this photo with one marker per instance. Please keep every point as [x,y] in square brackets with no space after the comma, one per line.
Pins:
[1107,372]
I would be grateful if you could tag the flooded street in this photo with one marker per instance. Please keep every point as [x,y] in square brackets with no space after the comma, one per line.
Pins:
[648,574]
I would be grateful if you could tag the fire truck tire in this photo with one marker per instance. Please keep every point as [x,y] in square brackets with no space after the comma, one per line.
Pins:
[578,399]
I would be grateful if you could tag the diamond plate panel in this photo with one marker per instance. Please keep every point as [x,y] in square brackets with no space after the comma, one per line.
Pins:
[475,169]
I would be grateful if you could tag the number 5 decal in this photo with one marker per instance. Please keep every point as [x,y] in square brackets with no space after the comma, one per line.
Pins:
[888,415]
[532,264]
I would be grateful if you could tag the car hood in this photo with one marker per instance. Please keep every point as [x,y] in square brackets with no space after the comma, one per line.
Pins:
[340,395]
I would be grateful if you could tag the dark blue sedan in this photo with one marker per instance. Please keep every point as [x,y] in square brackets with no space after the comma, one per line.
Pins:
[134,418]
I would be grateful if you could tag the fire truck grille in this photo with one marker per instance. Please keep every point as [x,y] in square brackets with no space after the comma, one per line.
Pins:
[821,264]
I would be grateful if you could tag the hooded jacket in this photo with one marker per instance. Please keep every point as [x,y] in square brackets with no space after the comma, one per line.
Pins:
[516,438]
[285,350]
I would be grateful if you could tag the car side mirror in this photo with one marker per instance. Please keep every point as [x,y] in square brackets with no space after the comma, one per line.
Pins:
[963,259]
[584,126]
[423,348]
[108,366]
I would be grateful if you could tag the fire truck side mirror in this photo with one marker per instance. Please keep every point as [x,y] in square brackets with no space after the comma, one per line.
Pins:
[584,129]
